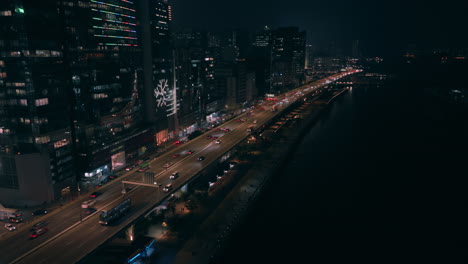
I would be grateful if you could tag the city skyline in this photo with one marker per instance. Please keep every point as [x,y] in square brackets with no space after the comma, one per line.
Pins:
[149,131]
[383,27]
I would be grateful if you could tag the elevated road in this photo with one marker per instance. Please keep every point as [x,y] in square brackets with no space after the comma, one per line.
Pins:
[72,235]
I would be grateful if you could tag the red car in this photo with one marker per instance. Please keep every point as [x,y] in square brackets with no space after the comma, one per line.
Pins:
[190,152]
[208,137]
[214,138]
[38,232]
[178,142]
[218,129]
[226,130]
[95,194]
[175,155]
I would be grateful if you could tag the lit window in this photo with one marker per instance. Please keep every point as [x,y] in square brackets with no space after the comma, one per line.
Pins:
[61,143]
[42,140]
[41,102]
[5,13]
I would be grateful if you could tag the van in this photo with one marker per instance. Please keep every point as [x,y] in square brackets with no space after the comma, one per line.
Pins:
[88,203]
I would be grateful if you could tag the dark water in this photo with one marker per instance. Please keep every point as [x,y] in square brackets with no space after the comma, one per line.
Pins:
[382,178]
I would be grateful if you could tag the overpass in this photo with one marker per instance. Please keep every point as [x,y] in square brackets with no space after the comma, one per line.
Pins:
[72,235]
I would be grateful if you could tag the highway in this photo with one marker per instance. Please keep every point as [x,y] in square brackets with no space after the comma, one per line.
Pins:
[72,234]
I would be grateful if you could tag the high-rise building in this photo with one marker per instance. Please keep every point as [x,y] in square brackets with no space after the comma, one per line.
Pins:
[36,160]
[309,56]
[161,102]
[356,50]
[193,72]
[105,58]
[287,58]
[260,60]
[71,83]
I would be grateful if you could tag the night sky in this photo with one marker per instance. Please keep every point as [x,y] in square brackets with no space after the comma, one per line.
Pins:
[381,25]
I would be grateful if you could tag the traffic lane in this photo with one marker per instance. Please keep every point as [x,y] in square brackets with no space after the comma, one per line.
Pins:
[198,144]
[89,231]
[211,152]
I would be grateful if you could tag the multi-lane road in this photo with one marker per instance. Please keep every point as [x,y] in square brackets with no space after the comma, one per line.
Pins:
[72,234]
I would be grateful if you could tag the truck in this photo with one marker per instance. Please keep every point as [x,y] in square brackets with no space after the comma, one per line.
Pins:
[107,217]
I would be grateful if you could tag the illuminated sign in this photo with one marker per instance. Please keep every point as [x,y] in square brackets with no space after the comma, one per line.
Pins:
[161,93]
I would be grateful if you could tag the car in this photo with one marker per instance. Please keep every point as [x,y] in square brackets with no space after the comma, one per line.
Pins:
[201,158]
[218,141]
[144,168]
[10,227]
[239,120]
[174,175]
[255,121]
[95,194]
[38,232]
[177,142]
[218,129]
[167,165]
[167,188]
[38,225]
[88,203]
[14,219]
[175,155]
[90,210]
[113,176]
[215,137]
[208,137]
[190,151]
[226,130]
[99,185]
[39,212]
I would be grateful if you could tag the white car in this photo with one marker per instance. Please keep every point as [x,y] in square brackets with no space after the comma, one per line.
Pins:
[10,227]
[167,188]
[88,203]
[218,141]
[174,176]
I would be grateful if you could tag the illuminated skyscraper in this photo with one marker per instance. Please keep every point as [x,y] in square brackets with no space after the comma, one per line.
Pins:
[74,112]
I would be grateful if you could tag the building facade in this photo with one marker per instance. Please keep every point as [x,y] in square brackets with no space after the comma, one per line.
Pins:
[71,89]
[287,58]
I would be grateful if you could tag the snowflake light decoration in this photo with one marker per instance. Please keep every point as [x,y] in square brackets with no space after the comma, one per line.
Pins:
[161,93]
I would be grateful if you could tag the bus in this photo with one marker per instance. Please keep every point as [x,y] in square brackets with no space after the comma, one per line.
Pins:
[113,214]
[145,166]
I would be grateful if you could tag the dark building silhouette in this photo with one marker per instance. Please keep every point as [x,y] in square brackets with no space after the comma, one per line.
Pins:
[287,58]
[260,60]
